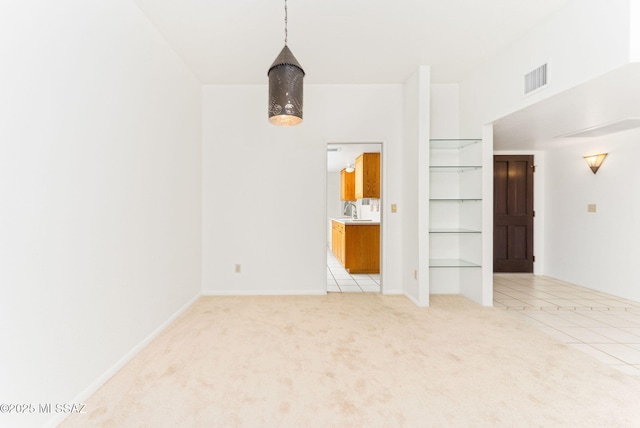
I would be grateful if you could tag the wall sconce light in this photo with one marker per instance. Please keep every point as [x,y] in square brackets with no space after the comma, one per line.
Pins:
[350,167]
[595,161]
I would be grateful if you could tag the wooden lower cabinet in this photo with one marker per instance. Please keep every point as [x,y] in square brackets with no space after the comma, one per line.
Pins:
[337,240]
[357,246]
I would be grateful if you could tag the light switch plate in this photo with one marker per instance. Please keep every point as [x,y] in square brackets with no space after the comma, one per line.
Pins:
[394,208]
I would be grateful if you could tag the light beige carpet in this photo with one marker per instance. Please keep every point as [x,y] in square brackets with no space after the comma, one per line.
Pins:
[359,360]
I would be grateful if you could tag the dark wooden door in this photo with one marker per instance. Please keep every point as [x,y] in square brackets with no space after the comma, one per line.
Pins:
[513,213]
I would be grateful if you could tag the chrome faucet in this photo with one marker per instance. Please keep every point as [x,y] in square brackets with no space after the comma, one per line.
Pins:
[354,210]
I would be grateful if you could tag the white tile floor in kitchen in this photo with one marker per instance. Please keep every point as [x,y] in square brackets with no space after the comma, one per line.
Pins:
[340,281]
[604,326]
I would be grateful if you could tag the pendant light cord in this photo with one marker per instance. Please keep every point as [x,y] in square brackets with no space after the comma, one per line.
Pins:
[285,23]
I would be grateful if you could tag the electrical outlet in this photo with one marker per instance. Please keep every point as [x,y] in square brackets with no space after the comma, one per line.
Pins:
[591,208]
[237,268]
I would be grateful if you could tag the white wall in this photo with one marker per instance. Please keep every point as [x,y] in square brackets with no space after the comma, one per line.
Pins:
[415,210]
[597,250]
[634,25]
[264,187]
[100,148]
[445,111]
[334,204]
[584,39]
[410,195]
[369,210]
[486,295]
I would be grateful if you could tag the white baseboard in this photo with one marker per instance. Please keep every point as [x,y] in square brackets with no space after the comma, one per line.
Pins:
[93,387]
[416,301]
[410,297]
[264,292]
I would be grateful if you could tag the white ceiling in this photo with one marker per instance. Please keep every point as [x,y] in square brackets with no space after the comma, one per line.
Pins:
[370,41]
[347,154]
[342,41]
[607,99]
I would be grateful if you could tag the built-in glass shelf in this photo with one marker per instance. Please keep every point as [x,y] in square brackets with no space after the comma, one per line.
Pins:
[452,144]
[454,168]
[451,263]
[452,230]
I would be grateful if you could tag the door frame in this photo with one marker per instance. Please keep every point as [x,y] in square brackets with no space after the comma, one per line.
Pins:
[383,187]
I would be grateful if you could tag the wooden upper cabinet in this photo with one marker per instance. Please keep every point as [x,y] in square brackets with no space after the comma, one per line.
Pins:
[347,185]
[368,176]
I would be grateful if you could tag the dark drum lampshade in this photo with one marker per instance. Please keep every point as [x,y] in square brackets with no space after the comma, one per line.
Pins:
[285,90]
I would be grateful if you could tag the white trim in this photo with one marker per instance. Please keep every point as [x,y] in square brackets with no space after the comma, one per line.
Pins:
[101,380]
[265,293]
[424,186]
[325,223]
[486,294]
[384,232]
[413,299]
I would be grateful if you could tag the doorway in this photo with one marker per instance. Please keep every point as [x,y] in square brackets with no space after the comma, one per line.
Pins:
[513,213]
[353,212]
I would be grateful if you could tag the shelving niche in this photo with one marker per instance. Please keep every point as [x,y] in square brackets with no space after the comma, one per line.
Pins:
[455,214]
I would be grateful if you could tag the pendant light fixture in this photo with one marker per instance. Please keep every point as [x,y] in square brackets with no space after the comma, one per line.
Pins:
[285,86]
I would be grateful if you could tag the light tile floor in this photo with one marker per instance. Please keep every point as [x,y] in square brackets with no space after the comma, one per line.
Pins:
[604,326]
[340,281]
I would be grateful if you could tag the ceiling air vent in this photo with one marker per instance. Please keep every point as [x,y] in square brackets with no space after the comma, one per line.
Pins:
[535,79]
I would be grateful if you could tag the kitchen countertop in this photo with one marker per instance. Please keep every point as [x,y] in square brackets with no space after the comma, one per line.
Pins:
[359,222]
